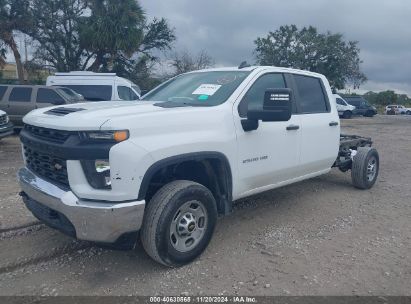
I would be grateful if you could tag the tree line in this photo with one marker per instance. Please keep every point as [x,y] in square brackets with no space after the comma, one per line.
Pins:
[116,36]
[93,35]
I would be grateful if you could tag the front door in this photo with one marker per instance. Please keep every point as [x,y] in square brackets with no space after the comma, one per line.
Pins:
[270,154]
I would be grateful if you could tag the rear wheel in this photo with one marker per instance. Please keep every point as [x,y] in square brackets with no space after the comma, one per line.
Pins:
[347,114]
[408,112]
[178,223]
[365,167]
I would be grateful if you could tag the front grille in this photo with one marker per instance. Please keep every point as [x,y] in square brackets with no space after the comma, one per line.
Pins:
[3,119]
[46,165]
[48,134]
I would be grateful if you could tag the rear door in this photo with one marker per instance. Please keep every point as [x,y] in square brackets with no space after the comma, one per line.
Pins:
[20,103]
[320,128]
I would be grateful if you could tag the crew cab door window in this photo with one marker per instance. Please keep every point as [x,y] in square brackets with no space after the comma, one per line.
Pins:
[125,93]
[49,96]
[255,95]
[312,97]
[20,95]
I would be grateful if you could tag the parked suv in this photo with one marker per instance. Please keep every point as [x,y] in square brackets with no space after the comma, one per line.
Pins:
[172,163]
[362,107]
[18,100]
[6,127]
[397,109]
[344,109]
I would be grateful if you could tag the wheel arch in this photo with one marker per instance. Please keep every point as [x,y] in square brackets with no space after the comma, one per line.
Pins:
[212,169]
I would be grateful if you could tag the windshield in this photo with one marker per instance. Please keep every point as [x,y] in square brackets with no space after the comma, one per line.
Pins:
[70,94]
[93,92]
[197,89]
[136,88]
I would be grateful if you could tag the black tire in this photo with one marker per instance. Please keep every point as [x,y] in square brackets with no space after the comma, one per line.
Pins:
[347,114]
[158,219]
[360,174]
[369,114]
[408,112]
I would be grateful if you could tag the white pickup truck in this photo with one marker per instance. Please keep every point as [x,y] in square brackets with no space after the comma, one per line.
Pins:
[168,166]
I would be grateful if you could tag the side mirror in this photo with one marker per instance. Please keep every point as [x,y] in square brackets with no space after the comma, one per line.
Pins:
[276,106]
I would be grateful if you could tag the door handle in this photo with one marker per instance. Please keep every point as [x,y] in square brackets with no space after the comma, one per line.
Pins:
[292,127]
[333,123]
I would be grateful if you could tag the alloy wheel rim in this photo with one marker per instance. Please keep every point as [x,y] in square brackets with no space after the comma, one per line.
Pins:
[371,168]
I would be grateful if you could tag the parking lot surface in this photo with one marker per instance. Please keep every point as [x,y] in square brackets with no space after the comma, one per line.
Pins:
[317,237]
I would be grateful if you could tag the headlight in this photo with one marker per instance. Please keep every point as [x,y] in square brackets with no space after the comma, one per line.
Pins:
[97,173]
[106,136]
[7,119]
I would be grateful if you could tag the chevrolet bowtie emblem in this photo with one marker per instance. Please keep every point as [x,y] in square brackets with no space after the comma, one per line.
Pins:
[58,166]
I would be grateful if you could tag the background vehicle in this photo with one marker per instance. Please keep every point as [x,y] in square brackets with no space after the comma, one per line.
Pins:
[362,107]
[18,100]
[397,109]
[170,164]
[344,109]
[97,86]
[6,127]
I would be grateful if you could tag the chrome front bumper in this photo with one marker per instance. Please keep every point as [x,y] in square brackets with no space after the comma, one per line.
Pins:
[98,221]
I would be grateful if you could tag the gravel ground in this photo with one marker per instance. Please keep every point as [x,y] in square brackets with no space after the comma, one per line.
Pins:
[317,237]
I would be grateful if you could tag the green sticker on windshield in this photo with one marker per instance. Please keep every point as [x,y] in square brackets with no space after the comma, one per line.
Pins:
[203,97]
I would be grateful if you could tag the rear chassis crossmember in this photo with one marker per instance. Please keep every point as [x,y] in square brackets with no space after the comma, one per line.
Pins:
[348,144]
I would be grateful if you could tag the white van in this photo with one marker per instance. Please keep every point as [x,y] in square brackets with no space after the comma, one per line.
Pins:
[344,109]
[97,86]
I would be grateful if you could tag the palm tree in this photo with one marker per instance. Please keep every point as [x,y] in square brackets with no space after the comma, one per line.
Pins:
[13,17]
[113,27]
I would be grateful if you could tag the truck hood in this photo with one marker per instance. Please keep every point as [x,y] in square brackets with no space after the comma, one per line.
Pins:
[88,116]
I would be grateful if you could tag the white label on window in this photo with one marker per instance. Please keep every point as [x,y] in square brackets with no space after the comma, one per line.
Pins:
[206,89]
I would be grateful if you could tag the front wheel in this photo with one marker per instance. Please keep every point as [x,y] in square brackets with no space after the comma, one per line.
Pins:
[365,167]
[178,223]
[347,114]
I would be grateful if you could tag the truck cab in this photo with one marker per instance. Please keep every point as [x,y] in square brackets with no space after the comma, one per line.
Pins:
[169,165]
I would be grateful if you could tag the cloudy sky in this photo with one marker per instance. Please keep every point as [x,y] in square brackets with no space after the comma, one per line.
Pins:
[226,29]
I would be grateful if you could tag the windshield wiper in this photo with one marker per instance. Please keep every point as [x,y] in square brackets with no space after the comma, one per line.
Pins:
[173,104]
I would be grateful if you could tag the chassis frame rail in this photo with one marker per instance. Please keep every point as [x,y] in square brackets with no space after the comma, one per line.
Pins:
[348,144]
